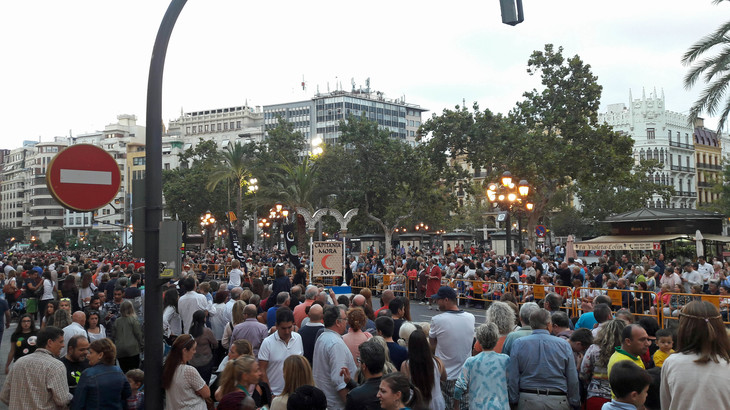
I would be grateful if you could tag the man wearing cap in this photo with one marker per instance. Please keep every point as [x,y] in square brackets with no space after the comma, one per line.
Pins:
[451,335]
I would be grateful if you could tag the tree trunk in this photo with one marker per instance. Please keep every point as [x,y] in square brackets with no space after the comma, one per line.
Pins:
[302,235]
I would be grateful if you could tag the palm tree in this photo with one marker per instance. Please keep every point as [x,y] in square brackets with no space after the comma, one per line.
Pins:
[714,70]
[295,185]
[233,168]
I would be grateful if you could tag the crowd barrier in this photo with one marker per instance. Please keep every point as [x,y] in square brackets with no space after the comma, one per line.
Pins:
[670,311]
[525,292]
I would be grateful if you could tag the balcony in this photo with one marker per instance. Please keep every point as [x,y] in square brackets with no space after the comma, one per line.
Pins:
[703,165]
[703,184]
[682,168]
[681,145]
[691,194]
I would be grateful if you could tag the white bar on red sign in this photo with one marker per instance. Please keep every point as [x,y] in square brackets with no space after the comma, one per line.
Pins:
[78,176]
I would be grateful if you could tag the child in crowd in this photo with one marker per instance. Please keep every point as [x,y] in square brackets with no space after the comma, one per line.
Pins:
[136,382]
[630,384]
[665,341]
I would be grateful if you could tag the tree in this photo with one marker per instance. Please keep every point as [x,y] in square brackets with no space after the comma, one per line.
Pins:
[296,186]
[185,190]
[282,145]
[552,139]
[234,168]
[389,180]
[714,71]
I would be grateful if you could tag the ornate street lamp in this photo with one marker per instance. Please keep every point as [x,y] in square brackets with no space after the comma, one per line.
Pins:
[507,196]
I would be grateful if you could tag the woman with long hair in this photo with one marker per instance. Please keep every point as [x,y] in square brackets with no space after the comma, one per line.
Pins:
[425,370]
[206,345]
[47,319]
[23,339]
[594,368]
[128,337]
[236,318]
[103,385]
[71,291]
[237,378]
[396,393]
[703,357]
[61,317]
[94,330]
[184,388]
[86,290]
[297,373]
[171,321]
[49,290]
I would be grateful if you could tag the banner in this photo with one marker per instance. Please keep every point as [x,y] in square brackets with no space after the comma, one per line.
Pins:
[616,246]
[291,244]
[327,258]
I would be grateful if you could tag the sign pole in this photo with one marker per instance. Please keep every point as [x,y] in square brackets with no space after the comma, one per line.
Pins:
[153,211]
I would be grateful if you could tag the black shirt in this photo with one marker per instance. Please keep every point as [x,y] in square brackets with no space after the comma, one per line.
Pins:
[365,396]
[73,372]
[309,337]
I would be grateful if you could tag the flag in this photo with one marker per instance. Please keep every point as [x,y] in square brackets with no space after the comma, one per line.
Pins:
[291,245]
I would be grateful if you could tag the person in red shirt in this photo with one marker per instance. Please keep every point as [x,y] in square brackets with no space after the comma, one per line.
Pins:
[433,273]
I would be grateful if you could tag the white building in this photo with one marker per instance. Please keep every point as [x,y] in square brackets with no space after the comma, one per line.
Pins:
[222,125]
[663,135]
[16,170]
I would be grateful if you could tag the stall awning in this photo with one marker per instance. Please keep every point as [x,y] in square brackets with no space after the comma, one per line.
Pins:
[713,237]
[627,242]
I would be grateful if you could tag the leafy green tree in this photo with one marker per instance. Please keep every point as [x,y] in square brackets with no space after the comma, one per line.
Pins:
[282,145]
[713,70]
[722,204]
[235,169]
[185,189]
[390,181]
[8,236]
[553,140]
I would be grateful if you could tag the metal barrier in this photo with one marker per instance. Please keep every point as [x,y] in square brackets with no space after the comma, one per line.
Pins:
[528,292]
[475,290]
[638,302]
[670,313]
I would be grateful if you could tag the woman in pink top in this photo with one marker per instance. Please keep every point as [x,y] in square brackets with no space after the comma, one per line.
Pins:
[355,336]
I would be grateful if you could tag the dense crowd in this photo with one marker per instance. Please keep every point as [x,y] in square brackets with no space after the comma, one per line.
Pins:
[256,333]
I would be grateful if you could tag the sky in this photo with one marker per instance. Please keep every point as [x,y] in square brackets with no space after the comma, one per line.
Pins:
[70,67]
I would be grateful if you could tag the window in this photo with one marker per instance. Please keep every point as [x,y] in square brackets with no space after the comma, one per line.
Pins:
[225,126]
[238,125]
[167,165]
[138,161]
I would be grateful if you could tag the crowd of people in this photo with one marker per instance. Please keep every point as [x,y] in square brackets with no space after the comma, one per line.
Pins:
[261,335]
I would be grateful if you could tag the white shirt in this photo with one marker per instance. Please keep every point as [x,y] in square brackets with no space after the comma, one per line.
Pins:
[454,332]
[171,324]
[188,304]
[234,277]
[331,354]
[706,271]
[70,331]
[218,321]
[275,351]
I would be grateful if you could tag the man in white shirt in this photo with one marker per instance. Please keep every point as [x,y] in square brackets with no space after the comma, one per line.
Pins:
[690,277]
[331,354]
[705,269]
[451,335]
[277,347]
[75,328]
[191,302]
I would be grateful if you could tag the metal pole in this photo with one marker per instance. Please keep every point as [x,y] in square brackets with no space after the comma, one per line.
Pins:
[153,211]
[508,233]
[255,229]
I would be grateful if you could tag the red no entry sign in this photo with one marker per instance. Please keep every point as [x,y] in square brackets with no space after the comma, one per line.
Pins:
[83,177]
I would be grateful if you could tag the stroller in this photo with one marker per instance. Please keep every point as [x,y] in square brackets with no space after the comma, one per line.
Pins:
[17,309]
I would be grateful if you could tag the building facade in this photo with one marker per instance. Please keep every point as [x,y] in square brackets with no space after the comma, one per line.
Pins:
[708,158]
[662,135]
[222,125]
[319,119]
[14,205]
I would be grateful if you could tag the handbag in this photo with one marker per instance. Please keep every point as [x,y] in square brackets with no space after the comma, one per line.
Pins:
[38,293]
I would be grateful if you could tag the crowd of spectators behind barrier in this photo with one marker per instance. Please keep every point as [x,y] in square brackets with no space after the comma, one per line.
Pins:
[254,333]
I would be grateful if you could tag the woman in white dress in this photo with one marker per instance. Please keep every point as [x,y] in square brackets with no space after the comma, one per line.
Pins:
[94,330]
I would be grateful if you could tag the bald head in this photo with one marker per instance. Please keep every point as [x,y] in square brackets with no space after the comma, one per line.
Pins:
[358,300]
[315,313]
[250,311]
[79,317]
[236,292]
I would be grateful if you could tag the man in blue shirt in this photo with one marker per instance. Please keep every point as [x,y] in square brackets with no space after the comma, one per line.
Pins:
[542,372]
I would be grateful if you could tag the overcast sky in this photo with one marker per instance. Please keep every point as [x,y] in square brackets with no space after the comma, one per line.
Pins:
[73,65]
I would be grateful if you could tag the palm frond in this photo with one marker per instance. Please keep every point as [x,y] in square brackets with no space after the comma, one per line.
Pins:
[720,36]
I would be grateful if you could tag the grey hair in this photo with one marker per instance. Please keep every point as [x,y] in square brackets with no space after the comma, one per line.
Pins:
[487,335]
[539,319]
[526,310]
[311,292]
[501,315]
[405,331]
[638,270]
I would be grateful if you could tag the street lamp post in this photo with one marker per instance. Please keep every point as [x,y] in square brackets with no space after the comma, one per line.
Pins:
[279,213]
[264,224]
[421,227]
[206,221]
[508,196]
[252,188]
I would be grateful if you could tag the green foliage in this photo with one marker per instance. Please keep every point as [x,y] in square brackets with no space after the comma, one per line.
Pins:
[722,204]
[7,235]
[553,140]
[185,189]
[713,71]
